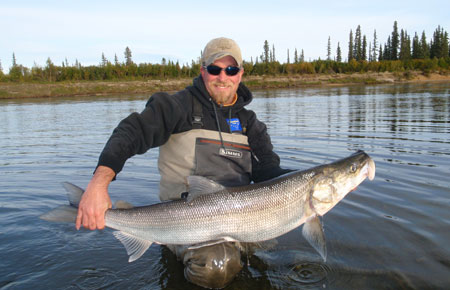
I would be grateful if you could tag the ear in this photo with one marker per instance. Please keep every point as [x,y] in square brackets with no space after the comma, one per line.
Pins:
[202,71]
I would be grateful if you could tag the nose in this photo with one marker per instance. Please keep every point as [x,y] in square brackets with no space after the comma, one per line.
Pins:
[222,75]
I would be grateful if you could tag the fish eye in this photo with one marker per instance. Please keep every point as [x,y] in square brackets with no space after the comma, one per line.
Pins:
[353,168]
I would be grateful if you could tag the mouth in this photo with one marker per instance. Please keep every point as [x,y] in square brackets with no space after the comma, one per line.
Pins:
[221,86]
[369,169]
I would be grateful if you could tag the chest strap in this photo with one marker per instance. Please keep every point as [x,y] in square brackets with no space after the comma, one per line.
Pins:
[197,114]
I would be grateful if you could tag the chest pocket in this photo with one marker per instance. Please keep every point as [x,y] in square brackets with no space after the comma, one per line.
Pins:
[228,164]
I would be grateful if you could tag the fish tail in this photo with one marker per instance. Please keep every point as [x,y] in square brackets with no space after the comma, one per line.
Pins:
[61,214]
[66,213]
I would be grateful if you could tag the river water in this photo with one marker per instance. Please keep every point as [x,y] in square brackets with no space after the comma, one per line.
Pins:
[391,233]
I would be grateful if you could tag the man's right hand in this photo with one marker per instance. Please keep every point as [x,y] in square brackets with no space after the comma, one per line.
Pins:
[95,200]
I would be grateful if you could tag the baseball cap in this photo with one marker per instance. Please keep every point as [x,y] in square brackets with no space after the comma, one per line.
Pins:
[220,47]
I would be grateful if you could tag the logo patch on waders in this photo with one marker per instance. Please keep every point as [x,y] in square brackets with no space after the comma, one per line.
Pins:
[230,153]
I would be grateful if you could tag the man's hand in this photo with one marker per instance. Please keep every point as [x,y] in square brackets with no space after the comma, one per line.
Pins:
[95,200]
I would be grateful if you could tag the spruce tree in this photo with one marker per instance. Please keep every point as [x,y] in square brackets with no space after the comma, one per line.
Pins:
[357,50]
[14,62]
[350,46]
[104,60]
[265,57]
[445,45]
[128,57]
[395,42]
[338,53]
[439,47]
[424,45]
[405,45]
[295,56]
[364,49]
[388,50]
[416,49]
[375,46]
[329,48]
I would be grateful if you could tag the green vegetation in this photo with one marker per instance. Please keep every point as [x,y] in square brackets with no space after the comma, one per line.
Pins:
[399,55]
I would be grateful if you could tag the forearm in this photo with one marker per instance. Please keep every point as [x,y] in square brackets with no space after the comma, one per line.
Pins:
[102,177]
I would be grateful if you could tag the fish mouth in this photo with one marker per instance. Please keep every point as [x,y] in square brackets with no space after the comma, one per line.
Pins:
[369,169]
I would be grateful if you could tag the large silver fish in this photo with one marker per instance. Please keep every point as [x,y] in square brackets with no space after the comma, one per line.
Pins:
[212,213]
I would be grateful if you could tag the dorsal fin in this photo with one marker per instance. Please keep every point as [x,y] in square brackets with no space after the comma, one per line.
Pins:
[121,204]
[199,185]
[74,193]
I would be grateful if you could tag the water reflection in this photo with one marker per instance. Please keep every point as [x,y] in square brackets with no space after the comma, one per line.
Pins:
[370,112]
[389,233]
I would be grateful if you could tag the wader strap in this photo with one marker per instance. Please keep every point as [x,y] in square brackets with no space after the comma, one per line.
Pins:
[197,114]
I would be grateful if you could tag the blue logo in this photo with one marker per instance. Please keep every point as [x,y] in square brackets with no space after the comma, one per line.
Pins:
[235,124]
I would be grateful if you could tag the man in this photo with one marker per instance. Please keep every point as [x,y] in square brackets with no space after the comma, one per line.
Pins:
[202,130]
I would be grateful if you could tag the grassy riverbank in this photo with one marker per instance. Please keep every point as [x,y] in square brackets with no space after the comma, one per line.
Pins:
[11,90]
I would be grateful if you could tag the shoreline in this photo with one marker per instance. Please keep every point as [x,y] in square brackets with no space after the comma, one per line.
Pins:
[102,88]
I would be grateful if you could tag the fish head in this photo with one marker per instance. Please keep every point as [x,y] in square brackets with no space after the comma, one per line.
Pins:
[335,180]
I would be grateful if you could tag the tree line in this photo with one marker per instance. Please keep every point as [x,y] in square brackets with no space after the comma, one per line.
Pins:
[398,46]
[399,53]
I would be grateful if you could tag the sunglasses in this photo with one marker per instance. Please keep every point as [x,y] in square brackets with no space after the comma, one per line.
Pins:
[229,70]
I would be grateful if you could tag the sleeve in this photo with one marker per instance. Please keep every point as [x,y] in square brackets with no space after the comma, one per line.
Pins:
[265,162]
[139,132]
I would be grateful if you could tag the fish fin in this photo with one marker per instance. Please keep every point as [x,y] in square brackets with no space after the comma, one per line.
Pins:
[121,204]
[313,233]
[199,185]
[74,193]
[135,246]
[210,243]
[63,213]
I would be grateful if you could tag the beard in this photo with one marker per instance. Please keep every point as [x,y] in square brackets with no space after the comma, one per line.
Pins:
[222,92]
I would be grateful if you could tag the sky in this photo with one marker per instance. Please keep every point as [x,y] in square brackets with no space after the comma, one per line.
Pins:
[178,30]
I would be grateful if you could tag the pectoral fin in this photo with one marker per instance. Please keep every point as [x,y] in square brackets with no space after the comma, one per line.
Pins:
[135,246]
[313,233]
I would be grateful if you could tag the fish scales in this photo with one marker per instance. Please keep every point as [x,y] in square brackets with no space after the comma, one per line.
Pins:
[253,213]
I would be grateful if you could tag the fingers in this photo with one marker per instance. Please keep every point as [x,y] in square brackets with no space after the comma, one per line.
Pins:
[90,221]
[101,223]
[79,219]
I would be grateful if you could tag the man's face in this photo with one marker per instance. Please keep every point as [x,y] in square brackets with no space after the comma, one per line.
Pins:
[222,87]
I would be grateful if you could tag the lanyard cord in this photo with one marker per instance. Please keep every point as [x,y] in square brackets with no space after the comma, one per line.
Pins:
[218,125]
